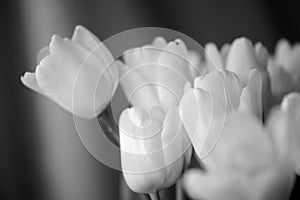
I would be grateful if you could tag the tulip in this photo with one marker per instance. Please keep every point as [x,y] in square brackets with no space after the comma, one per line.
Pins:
[240,57]
[154,148]
[155,74]
[284,68]
[245,164]
[287,131]
[204,108]
[70,70]
[249,160]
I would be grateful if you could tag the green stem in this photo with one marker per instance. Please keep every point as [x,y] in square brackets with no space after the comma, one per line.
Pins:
[154,196]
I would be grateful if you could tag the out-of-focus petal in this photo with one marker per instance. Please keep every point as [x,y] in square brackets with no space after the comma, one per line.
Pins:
[241,58]
[224,52]
[213,57]
[262,54]
[172,73]
[251,97]
[291,106]
[282,51]
[138,91]
[242,146]
[281,81]
[200,185]
[195,65]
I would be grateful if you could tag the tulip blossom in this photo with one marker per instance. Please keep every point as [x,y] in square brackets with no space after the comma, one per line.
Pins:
[204,108]
[155,74]
[284,68]
[240,57]
[246,163]
[154,148]
[75,73]
[287,131]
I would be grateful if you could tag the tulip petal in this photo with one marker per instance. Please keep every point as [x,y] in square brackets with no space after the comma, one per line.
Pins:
[214,84]
[233,89]
[172,73]
[281,81]
[195,67]
[291,105]
[29,81]
[159,42]
[282,51]
[203,118]
[251,97]
[143,170]
[173,135]
[241,58]
[242,146]
[273,182]
[42,54]
[213,57]
[262,54]
[57,73]
[224,52]
[94,46]
[200,185]
[138,91]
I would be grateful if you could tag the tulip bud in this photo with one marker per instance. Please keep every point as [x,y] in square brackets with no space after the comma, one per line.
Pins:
[204,108]
[284,68]
[240,57]
[284,123]
[156,73]
[75,74]
[154,148]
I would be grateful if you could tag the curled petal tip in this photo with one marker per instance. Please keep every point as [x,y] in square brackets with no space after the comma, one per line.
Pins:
[137,116]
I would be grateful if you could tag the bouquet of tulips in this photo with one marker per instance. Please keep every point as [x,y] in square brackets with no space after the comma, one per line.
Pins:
[221,124]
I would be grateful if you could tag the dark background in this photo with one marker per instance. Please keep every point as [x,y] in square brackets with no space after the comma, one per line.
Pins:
[41,156]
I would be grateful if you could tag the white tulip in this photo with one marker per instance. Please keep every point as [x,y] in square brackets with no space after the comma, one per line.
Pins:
[249,160]
[75,71]
[284,68]
[204,108]
[244,164]
[154,148]
[156,73]
[240,57]
[286,129]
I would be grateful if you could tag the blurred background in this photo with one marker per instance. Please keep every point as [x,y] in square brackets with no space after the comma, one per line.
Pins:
[41,156]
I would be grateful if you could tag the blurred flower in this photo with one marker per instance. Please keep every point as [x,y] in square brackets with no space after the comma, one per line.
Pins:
[240,57]
[154,148]
[75,70]
[284,68]
[244,164]
[286,129]
[156,73]
[204,108]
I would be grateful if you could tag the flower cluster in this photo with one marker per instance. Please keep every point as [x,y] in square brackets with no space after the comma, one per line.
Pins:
[237,108]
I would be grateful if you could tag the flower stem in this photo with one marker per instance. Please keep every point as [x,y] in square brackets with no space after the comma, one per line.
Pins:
[154,196]
[109,126]
[179,193]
